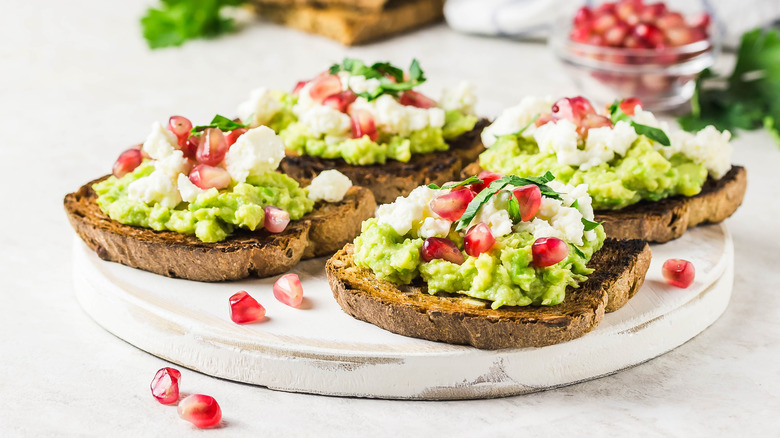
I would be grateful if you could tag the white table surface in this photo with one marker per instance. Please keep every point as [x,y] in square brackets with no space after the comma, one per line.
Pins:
[78,85]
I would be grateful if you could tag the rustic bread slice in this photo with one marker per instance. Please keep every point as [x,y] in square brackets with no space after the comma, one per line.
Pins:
[371,5]
[246,253]
[395,178]
[350,25]
[620,268]
[667,219]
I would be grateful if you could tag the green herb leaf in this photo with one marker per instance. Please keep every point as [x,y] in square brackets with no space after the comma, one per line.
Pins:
[522,130]
[177,21]
[221,122]
[514,210]
[470,180]
[616,115]
[590,225]
[579,252]
[391,78]
[576,204]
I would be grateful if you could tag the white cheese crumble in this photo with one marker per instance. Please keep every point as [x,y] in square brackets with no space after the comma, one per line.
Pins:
[158,187]
[558,218]
[329,186]
[461,97]
[434,227]
[406,212]
[392,117]
[358,83]
[604,143]
[496,218]
[257,151]
[160,143]
[173,164]
[189,192]
[709,147]
[560,138]
[324,120]
[260,108]
[516,118]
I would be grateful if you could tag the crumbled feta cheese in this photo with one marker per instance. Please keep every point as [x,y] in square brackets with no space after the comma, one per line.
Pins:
[496,218]
[435,227]
[358,83]
[603,143]
[157,187]
[188,191]
[555,220]
[392,117]
[560,138]
[709,147]
[461,97]
[260,108]
[160,143]
[173,164]
[516,118]
[405,212]
[321,119]
[257,151]
[329,186]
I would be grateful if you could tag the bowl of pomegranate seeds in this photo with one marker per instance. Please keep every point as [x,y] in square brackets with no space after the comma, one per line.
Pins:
[632,48]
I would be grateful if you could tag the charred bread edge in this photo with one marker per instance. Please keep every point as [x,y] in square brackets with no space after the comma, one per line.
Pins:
[241,255]
[620,266]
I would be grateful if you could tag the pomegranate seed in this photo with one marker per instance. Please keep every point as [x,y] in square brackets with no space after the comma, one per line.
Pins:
[165,385]
[650,33]
[298,87]
[441,248]
[702,21]
[680,36]
[190,147]
[416,99]
[452,205]
[628,105]
[572,109]
[127,162]
[487,177]
[340,101]
[478,239]
[288,290]
[652,12]
[180,126]
[324,86]
[245,309]
[276,219]
[627,10]
[543,119]
[605,8]
[233,135]
[583,15]
[548,251]
[580,35]
[678,272]
[593,121]
[602,23]
[212,148]
[201,410]
[363,124]
[530,198]
[206,177]
[670,20]
[615,35]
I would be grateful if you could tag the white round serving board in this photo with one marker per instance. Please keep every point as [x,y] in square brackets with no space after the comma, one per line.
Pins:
[320,349]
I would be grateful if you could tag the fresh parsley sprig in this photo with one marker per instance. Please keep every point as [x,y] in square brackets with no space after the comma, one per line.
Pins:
[176,21]
[223,123]
[616,114]
[391,78]
[470,180]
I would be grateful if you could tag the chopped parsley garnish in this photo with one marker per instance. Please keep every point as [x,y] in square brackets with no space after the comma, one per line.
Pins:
[616,114]
[470,180]
[391,78]
[589,225]
[221,122]
[177,21]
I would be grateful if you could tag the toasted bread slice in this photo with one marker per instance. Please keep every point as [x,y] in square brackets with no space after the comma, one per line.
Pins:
[371,5]
[620,268]
[395,178]
[351,25]
[667,219]
[246,253]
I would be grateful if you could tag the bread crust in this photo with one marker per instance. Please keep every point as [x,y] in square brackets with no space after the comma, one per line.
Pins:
[395,178]
[620,266]
[243,254]
[668,219]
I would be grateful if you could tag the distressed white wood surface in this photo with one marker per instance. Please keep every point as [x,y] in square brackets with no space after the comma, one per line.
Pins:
[319,349]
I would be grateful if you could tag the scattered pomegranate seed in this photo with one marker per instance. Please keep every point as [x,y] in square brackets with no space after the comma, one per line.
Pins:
[340,101]
[165,385]
[190,147]
[572,109]
[233,135]
[591,121]
[678,272]
[487,177]
[548,251]
[324,86]
[212,148]
[478,239]
[201,410]
[180,126]
[245,309]
[298,87]
[416,99]
[452,205]
[206,177]
[363,124]
[288,290]
[629,105]
[127,162]
[530,198]
[441,248]
[276,219]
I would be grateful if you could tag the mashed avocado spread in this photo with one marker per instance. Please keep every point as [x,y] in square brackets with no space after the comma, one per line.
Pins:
[392,246]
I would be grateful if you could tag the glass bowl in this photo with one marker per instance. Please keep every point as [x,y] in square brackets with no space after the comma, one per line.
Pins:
[664,79]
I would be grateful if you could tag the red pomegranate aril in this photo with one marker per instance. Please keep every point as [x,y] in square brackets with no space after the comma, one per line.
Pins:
[601,23]
[680,36]
[670,20]
[615,35]
[701,21]
[543,119]
[212,148]
[629,105]
[288,290]
[548,251]
[127,162]
[324,86]
[363,124]
[165,385]
[487,177]
[180,126]
[201,410]
[627,10]
[190,146]
[580,35]
[678,272]
[478,239]
[452,205]
[652,12]
[441,248]
[591,121]
[340,101]
[650,33]
[583,15]
[530,199]
[207,177]
[233,135]
[572,109]
[276,219]
[416,99]
[244,309]
[298,86]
